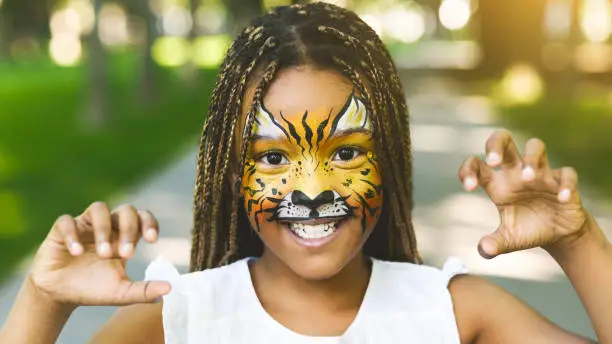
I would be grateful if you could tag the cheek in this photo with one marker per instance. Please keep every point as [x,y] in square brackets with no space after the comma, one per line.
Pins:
[260,192]
[365,188]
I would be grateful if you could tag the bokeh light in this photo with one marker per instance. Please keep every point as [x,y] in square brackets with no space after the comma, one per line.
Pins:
[113,25]
[269,4]
[209,51]
[522,84]
[373,21]
[405,24]
[210,19]
[341,3]
[65,49]
[176,21]
[171,51]
[558,19]
[85,11]
[455,14]
[593,57]
[65,21]
[595,23]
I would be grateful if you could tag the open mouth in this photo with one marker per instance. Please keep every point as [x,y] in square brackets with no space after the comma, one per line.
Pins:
[314,229]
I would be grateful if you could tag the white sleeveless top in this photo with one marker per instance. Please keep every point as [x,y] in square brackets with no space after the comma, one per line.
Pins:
[404,303]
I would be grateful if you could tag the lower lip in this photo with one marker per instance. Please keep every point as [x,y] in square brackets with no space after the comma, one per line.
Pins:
[319,242]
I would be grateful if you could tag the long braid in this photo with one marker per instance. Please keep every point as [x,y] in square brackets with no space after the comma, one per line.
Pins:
[325,36]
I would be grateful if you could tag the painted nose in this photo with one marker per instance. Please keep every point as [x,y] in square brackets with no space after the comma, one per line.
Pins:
[300,198]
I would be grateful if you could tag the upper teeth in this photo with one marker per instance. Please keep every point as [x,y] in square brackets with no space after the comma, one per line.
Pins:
[313,231]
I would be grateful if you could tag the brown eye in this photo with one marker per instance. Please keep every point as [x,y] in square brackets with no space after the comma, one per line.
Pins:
[274,158]
[346,154]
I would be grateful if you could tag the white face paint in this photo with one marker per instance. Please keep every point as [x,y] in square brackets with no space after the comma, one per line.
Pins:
[354,116]
[266,126]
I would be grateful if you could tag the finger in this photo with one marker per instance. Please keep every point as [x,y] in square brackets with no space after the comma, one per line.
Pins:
[67,226]
[535,159]
[149,226]
[567,177]
[501,150]
[99,215]
[126,220]
[474,172]
[142,291]
[492,245]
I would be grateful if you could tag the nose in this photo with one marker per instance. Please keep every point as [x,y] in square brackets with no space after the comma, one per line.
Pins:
[300,198]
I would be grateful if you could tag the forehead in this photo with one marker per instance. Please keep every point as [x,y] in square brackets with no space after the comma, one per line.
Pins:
[304,88]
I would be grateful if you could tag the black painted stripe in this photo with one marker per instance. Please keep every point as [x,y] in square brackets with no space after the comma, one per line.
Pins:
[308,133]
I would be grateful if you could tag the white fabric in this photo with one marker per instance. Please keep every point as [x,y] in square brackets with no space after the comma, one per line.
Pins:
[404,303]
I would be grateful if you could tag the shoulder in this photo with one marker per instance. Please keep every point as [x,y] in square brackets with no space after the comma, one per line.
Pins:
[420,275]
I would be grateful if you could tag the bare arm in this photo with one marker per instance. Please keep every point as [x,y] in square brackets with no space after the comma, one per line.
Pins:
[35,318]
[136,324]
[587,262]
[499,317]
[488,314]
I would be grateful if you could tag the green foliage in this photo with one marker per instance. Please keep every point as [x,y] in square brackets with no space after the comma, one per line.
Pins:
[577,134]
[50,164]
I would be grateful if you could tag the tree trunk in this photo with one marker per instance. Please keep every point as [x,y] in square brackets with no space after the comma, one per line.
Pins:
[97,112]
[5,36]
[190,70]
[511,31]
[569,77]
[148,76]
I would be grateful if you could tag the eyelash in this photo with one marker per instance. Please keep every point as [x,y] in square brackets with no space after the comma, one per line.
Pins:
[357,151]
[265,154]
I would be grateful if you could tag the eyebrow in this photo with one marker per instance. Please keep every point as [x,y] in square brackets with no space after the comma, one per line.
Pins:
[348,132]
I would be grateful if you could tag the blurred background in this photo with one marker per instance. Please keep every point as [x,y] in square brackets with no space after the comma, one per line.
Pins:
[104,100]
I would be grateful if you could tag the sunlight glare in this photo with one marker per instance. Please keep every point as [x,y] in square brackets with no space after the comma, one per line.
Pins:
[406,24]
[522,84]
[595,23]
[65,49]
[455,14]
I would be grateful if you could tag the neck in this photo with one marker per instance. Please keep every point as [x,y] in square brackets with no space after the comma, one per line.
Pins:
[343,291]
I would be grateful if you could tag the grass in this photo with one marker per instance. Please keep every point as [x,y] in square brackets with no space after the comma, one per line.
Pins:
[50,165]
[576,133]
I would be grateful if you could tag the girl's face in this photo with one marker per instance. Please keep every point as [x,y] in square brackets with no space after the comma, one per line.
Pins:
[311,184]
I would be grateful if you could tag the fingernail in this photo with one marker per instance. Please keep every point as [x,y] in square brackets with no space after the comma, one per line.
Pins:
[151,234]
[469,183]
[104,248]
[493,159]
[126,249]
[565,195]
[528,173]
[76,248]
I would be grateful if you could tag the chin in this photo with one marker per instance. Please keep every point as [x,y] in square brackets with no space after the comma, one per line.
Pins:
[316,259]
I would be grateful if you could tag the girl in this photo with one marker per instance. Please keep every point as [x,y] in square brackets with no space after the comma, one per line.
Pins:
[302,226]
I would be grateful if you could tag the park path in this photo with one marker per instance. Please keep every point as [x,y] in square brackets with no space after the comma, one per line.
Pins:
[447,126]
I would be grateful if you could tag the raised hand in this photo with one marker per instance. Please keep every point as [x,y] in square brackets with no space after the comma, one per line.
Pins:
[538,206]
[82,260]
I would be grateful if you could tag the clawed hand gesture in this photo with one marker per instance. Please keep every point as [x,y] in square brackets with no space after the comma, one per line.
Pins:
[538,206]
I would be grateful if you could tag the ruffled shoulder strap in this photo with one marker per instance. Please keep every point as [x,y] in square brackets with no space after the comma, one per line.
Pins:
[175,303]
[453,267]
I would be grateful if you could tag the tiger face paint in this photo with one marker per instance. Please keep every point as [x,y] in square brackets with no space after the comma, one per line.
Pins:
[313,172]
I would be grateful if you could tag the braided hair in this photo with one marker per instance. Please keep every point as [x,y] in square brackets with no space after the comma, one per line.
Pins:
[327,37]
